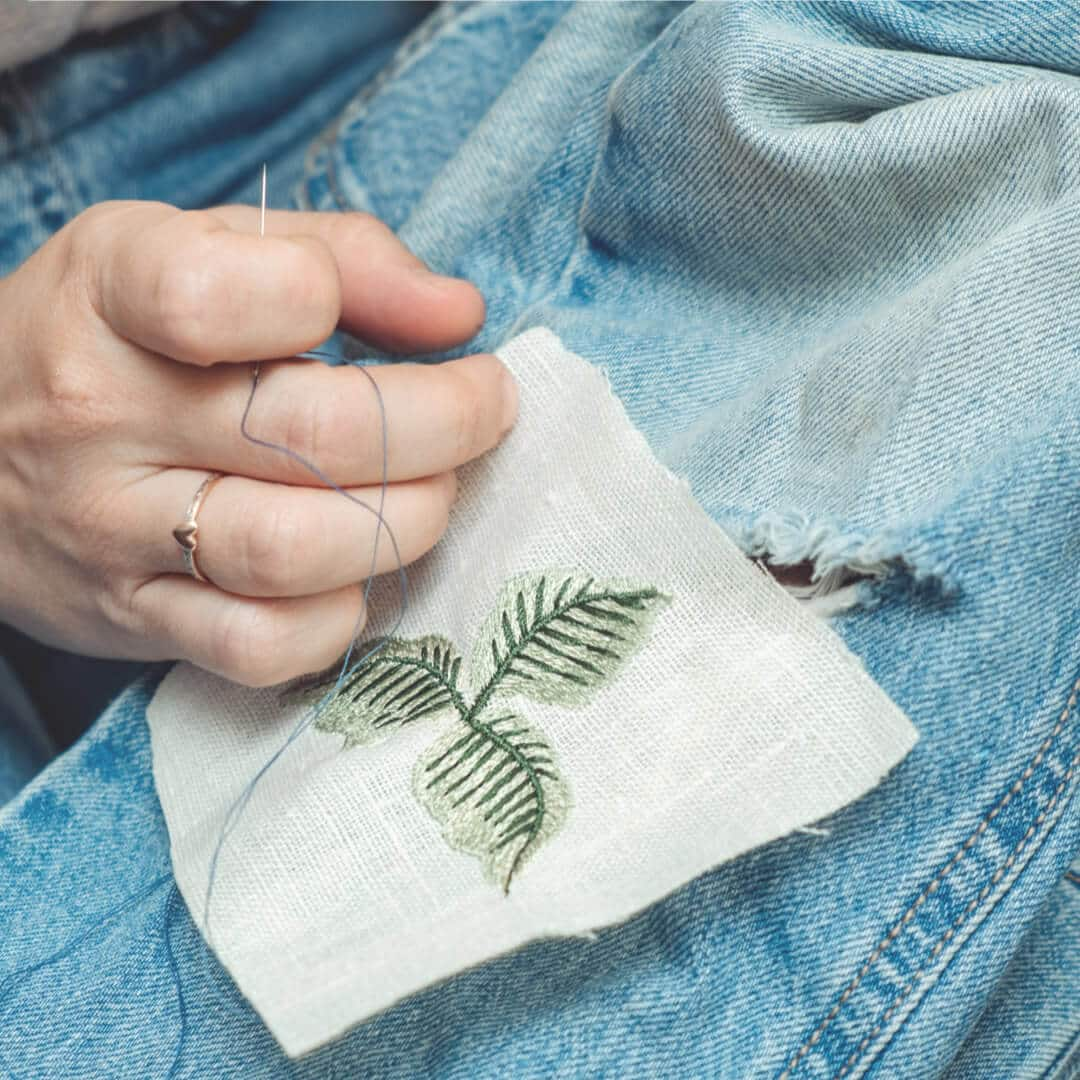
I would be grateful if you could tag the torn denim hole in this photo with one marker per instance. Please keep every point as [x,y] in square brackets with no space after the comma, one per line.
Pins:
[832,570]
[835,591]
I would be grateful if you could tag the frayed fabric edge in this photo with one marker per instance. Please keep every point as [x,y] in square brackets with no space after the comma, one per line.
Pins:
[847,565]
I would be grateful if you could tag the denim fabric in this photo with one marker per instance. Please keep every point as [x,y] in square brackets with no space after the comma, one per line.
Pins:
[826,255]
[1032,1025]
[183,107]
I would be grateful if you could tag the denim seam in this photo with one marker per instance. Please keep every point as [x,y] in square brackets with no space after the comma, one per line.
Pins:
[933,886]
[416,46]
[581,241]
[412,48]
[970,909]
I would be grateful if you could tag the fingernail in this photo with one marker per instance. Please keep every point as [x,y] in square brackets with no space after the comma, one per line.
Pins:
[509,401]
[433,280]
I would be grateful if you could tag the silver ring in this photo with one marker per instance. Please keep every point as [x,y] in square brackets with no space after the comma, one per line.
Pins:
[186,533]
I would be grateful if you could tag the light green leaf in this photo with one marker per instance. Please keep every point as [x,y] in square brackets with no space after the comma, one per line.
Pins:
[404,681]
[558,637]
[495,790]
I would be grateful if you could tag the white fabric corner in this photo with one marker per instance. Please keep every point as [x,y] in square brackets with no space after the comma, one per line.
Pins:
[739,718]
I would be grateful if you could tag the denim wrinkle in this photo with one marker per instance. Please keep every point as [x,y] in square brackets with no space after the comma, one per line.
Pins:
[826,256]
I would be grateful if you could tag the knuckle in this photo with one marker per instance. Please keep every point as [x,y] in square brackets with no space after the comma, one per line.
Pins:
[245,645]
[302,424]
[316,416]
[65,386]
[120,603]
[184,290]
[117,602]
[105,559]
[89,521]
[105,212]
[87,230]
[82,238]
[357,228]
[91,241]
[465,417]
[75,407]
[271,546]
[94,230]
[315,284]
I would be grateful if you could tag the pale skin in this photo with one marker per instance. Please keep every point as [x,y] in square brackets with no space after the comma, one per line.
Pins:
[128,340]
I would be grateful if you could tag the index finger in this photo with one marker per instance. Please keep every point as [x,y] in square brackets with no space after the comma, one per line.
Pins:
[205,287]
[389,297]
[185,285]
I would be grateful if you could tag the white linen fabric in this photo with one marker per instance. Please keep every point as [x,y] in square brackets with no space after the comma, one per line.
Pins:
[729,717]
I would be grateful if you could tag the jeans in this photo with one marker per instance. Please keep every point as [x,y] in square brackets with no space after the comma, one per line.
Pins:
[826,256]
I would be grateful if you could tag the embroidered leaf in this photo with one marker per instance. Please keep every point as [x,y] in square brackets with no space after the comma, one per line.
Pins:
[495,789]
[558,637]
[402,682]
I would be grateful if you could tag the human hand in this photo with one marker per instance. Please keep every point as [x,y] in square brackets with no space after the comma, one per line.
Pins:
[127,342]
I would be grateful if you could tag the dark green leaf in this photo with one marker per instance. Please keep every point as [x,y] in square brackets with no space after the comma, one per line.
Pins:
[562,652]
[494,788]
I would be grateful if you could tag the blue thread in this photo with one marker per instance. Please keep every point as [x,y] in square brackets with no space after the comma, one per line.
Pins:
[236,810]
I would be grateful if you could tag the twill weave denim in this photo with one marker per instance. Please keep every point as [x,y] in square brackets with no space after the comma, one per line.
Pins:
[827,256]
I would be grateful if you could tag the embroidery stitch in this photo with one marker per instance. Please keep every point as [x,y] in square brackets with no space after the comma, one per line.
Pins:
[492,781]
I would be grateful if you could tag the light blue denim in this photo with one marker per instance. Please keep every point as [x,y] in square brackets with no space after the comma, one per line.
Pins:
[827,255]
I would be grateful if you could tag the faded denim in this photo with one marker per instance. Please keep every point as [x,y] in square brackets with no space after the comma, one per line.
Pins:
[827,256]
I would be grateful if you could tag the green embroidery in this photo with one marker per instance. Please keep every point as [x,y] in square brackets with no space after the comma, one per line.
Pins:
[492,781]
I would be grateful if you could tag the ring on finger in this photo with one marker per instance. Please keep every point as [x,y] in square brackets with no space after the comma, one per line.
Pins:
[186,533]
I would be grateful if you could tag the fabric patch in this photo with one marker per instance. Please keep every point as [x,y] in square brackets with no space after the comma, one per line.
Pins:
[656,704]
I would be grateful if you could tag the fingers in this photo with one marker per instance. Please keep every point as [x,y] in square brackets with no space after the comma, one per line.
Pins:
[268,540]
[438,416]
[254,642]
[204,287]
[185,285]
[388,296]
